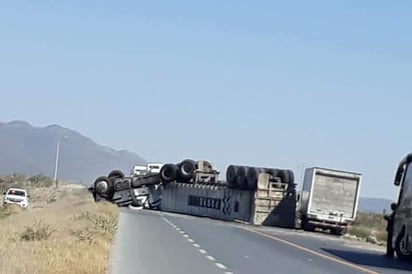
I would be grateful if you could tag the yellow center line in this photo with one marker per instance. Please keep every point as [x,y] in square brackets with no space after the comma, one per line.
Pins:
[342,262]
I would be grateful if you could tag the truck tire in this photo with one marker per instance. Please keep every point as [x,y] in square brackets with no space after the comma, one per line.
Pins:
[151,179]
[306,226]
[339,231]
[241,182]
[115,174]
[187,170]
[401,243]
[168,173]
[231,172]
[272,171]
[252,177]
[284,176]
[103,186]
[291,176]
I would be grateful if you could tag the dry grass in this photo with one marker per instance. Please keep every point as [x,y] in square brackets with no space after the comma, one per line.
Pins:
[63,231]
[369,224]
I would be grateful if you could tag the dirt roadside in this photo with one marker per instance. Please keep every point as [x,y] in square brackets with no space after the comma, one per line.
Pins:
[62,231]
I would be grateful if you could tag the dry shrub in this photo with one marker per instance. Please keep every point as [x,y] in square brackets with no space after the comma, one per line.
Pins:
[359,231]
[4,212]
[369,224]
[36,232]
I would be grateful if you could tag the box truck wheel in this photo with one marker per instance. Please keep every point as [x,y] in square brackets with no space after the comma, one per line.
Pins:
[306,225]
[401,246]
[339,231]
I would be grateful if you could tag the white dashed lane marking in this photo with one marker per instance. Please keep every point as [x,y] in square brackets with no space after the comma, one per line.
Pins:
[210,258]
[219,265]
[195,245]
[203,251]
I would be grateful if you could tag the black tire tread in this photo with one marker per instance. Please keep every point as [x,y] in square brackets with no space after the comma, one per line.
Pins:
[231,172]
[399,254]
[183,175]
[171,168]
[115,174]
[108,193]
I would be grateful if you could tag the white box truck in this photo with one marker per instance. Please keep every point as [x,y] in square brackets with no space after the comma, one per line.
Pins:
[329,199]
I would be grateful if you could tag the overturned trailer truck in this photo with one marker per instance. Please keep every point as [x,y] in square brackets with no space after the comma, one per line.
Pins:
[141,188]
[254,195]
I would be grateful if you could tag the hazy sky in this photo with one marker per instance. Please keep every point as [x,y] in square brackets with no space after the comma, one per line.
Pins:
[260,82]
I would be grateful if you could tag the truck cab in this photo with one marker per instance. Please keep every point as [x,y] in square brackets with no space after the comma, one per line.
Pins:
[402,222]
[146,195]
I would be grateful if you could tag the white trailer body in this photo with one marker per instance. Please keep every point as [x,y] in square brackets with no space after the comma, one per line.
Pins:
[329,198]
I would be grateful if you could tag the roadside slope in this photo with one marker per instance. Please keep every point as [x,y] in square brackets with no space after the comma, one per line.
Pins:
[63,231]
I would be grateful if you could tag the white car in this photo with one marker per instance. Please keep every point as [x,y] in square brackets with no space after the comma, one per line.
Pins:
[18,196]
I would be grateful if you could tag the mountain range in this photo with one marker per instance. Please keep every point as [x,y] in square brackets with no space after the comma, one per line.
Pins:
[374,205]
[32,150]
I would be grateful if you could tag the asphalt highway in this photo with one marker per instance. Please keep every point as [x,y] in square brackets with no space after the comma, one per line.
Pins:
[157,242]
